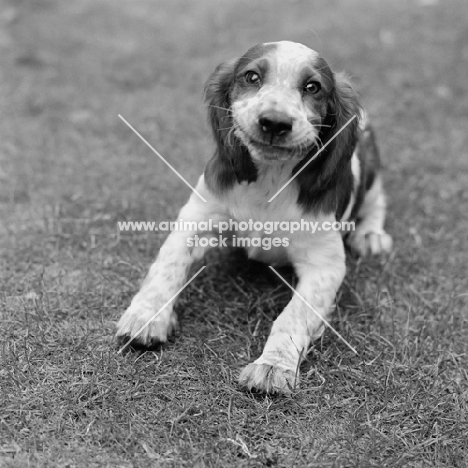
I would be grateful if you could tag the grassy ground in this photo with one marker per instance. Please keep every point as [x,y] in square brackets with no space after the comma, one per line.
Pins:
[70,169]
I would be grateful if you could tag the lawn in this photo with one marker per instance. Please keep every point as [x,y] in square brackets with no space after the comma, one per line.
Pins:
[70,169]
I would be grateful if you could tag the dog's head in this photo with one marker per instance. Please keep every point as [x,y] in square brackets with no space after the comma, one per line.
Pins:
[280,100]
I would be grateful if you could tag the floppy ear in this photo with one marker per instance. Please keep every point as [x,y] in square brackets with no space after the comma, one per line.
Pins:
[217,90]
[327,182]
[231,162]
[342,106]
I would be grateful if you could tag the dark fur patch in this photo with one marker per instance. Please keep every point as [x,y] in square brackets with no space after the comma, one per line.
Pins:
[254,53]
[326,184]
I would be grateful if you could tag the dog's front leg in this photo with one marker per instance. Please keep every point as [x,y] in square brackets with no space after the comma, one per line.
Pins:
[320,269]
[166,276]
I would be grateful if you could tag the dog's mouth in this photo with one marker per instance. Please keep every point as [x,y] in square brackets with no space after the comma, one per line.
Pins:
[269,152]
[272,152]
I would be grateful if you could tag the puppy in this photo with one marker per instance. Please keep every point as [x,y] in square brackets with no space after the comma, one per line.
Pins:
[277,113]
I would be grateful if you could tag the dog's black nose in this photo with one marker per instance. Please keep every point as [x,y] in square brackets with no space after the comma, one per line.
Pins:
[275,123]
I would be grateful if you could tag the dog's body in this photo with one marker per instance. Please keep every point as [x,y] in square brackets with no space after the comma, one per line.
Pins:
[271,111]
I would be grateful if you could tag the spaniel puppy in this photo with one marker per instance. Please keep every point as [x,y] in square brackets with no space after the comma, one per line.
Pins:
[271,111]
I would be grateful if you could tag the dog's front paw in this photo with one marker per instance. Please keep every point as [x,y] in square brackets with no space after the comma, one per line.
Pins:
[268,378]
[146,325]
[374,243]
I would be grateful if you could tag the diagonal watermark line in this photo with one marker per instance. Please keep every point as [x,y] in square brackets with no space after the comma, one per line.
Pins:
[313,310]
[162,159]
[312,158]
[162,308]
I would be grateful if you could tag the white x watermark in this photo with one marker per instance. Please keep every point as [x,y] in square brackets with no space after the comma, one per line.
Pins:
[201,269]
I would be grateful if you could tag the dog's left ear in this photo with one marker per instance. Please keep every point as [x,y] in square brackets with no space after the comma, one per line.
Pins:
[324,183]
[342,106]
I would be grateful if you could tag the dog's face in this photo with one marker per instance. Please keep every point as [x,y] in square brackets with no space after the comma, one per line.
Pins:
[279,100]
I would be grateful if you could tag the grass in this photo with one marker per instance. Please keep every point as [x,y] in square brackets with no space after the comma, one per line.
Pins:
[70,169]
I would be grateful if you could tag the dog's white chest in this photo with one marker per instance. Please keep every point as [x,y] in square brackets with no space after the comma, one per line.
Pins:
[251,201]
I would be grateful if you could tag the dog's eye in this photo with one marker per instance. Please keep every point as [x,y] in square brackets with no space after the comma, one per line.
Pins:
[252,77]
[312,87]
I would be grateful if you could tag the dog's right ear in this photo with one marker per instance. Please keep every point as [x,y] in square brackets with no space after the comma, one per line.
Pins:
[231,162]
[217,90]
